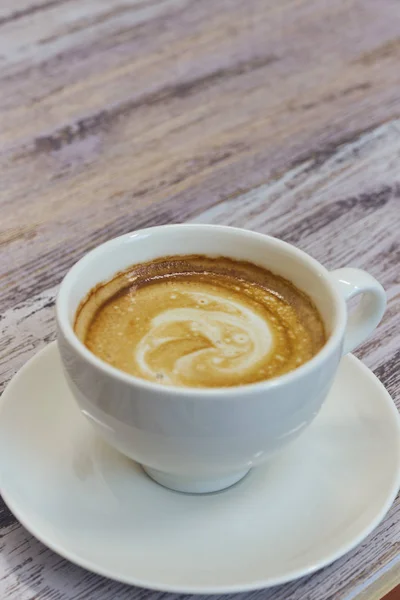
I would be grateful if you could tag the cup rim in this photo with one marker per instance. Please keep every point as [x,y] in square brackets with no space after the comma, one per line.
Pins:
[68,332]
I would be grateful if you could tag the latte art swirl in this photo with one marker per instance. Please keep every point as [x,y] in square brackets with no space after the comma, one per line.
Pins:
[236,339]
[197,321]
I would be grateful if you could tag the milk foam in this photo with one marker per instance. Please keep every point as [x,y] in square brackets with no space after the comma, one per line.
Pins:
[238,339]
[198,321]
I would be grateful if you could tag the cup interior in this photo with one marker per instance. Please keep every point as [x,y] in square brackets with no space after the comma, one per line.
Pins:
[105,261]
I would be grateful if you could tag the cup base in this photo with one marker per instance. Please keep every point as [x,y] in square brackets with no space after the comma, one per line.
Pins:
[190,485]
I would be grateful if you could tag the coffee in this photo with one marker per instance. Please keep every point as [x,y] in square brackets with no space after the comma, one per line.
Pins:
[197,321]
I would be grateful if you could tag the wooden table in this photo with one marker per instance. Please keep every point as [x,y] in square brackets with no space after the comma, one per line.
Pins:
[276,116]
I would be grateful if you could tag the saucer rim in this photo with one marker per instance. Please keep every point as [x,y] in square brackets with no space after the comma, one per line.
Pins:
[206,589]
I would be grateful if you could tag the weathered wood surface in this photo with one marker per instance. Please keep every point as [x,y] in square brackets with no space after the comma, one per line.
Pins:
[276,116]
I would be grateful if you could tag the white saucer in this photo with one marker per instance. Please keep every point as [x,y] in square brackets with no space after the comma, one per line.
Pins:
[311,505]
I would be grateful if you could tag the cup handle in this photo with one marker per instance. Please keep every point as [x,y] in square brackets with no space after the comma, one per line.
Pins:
[365,318]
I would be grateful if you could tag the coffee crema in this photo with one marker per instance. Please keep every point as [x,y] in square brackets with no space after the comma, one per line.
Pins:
[203,322]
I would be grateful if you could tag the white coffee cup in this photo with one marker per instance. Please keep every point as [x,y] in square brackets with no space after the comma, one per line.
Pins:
[202,440]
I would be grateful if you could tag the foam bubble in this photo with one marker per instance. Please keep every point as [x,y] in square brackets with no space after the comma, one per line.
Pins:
[240,338]
[216,360]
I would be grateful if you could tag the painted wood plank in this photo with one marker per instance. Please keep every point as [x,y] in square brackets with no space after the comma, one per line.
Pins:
[114,117]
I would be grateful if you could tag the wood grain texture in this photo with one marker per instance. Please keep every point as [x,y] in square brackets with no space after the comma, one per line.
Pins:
[148,111]
[385,587]
[276,116]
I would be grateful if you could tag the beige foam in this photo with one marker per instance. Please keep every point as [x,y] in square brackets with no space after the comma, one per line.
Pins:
[208,322]
[247,344]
